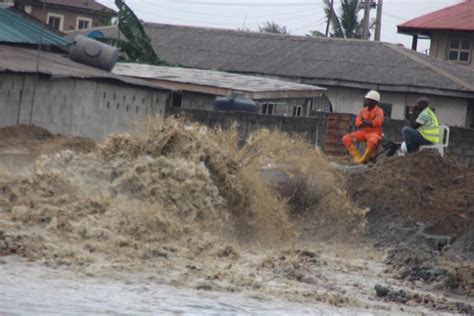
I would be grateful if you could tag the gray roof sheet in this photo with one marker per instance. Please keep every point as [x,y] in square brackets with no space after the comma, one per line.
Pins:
[24,60]
[320,60]
[210,78]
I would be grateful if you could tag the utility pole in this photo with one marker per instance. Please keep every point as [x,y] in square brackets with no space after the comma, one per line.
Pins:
[329,18]
[378,24]
[365,34]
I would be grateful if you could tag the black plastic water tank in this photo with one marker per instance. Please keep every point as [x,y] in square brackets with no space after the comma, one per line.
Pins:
[235,103]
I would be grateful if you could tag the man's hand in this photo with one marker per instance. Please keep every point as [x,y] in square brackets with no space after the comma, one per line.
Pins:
[366,123]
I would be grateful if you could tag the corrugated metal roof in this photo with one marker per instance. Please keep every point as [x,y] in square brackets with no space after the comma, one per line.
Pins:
[218,82]
[459,17]
[17,29]
[79,4]
[210,78]
[24,60]
[312,60]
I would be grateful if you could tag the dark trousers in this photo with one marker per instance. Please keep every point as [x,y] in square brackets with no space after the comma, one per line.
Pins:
[413,139]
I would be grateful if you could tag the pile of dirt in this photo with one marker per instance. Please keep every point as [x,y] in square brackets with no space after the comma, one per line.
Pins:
[419,192]
[24,133]
[22,145]
[39,140]
[422,206]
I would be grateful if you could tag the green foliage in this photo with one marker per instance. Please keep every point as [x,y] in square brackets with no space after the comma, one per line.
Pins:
[273,27]
[315,34]
[138,48]
[347,23]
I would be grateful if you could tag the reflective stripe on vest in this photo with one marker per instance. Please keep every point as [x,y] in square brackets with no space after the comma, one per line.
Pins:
[431,132]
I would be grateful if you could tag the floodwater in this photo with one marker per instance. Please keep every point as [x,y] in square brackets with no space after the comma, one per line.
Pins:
[32,289]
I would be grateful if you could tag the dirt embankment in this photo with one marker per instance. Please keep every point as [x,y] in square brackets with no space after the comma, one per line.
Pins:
[422,205]
[40,140]
[21,145]
[421,189]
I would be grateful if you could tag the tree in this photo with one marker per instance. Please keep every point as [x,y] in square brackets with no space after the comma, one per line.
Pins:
[244,29]
[272,27]
[315,34]
[347,23]
[138,45]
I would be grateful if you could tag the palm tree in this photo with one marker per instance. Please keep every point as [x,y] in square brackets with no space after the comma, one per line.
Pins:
[272,27]
[347,24]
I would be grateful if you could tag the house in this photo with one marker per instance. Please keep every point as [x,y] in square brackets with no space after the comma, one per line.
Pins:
[68,15]
[17,29]
[451,31]
[48,89]
[70,98]
[347,68]
[197,89]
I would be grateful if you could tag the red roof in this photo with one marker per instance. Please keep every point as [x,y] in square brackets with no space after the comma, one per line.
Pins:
[459,17]
[81,4]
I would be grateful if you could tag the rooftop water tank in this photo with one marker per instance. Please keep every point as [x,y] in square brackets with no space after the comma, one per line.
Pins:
[90,52]
[235,103]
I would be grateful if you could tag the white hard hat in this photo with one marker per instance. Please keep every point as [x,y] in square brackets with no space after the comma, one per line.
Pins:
[373,95]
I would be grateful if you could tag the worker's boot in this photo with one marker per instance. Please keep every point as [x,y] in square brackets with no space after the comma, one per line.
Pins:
[353,151]
[367,155]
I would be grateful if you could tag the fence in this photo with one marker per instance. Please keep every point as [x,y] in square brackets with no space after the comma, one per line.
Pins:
[323,130]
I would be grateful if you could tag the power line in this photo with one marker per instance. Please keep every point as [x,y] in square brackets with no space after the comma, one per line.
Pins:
[308,25]
[249,4]
[395,16]
[236,24]
[154,4]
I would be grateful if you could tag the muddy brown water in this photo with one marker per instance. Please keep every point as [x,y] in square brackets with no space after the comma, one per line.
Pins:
[184,205]
[31,289]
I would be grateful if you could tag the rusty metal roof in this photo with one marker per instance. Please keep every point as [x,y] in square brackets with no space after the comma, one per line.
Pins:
[89,5]
[218,82]
[459,17]
[17,29]
[24,60]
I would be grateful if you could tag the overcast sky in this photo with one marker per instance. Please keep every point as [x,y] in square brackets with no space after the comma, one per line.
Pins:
[299,16]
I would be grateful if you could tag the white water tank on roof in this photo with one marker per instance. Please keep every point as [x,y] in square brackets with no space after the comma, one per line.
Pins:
[90,52]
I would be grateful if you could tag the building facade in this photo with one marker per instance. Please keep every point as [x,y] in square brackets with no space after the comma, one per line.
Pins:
[347,68]
[72,106]
[66,15]
[197,89]
[451,31]
[70,98]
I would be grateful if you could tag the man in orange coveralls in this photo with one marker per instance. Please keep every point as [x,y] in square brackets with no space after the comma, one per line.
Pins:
[369,122]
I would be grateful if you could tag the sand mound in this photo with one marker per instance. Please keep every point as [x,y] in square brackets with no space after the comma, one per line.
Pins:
[422,192]
[25,132]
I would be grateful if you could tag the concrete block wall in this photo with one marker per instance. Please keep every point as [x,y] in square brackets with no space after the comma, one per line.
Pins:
[320,130]
[461,145]
[310,128]
[85,108]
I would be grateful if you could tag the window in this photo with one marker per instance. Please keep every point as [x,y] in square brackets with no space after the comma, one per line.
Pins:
[268,108]
[297,110]
[459,50]
[55,21]
[83,23]
[387,109]
[177,100]
[309,106]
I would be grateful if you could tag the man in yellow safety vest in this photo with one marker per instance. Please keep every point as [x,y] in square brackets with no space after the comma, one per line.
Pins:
[425,130]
